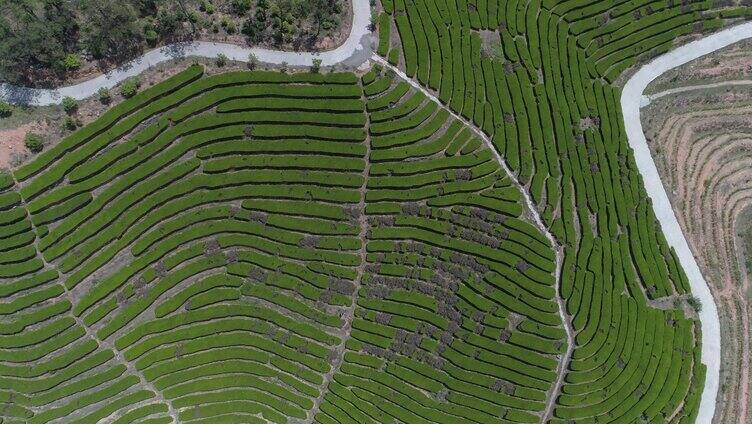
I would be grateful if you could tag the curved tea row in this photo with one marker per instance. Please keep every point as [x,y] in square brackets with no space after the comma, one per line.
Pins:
[539,79]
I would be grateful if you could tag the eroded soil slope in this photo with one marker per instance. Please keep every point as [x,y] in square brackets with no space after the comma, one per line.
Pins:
[702,144]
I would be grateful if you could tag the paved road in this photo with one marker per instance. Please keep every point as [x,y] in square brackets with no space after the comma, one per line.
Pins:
[357,50]
[631,99]
[354,51]
[677,90]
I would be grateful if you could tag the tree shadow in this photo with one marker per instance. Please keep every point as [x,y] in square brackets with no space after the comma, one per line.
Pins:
[22,96]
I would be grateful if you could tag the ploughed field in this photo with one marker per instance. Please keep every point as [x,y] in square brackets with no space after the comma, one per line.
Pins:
[264,247]
[701,140]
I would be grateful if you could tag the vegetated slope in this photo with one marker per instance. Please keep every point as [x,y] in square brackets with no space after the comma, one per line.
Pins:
[701,141]
[256,246]
[544,93]
[455,317]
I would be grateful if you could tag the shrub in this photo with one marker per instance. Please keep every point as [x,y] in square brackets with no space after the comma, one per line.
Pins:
[207,7]
[151,37]
[316,66]
[5,109]
[221,60]
[34,143]
[695,303]
[283,67]
[69,104]
[252,61]
[130,87]
[70,124]
[229,26]
[71,62]
[240,7]
[104,95]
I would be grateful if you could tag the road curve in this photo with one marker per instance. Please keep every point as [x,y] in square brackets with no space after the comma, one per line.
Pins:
[677,90]
[632,99]
[354,51]
[357,50]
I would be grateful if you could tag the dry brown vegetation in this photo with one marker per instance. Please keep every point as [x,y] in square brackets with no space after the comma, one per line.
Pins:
[702,145]
[731,63]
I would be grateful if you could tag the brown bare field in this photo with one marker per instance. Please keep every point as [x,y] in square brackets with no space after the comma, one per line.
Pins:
[702,145]
[731,63]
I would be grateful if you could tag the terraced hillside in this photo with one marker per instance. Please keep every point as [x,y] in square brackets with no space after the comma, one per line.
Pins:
[703,154]
[264,247]
[203,251]
[541,80]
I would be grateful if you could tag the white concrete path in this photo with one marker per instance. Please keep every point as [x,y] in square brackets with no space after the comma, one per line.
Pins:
[677,90]
[632,99]
[357,49]
[354,51]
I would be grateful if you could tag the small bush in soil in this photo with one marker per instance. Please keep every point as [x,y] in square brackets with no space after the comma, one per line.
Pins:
[5,109]
[70,124]
[71,62]
[316,66]
[240,7]
[34,143]
[104,95]
[252,61]
[130,87]
[69,104]
[221,60]
[695,303]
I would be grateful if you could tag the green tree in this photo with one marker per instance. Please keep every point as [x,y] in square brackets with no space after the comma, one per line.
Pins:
[111,31]
[35,36]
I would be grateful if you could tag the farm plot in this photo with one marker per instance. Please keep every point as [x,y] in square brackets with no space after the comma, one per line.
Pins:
[264,247]
[259,247]
[540,79]
[703,156]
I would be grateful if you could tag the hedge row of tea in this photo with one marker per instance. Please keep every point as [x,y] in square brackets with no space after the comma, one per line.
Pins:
[197,253]
[188,254]
[455,318]
[192,255]
[539,79]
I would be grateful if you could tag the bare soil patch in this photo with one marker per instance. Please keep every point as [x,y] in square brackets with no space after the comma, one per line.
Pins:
[12,148]
[702,145]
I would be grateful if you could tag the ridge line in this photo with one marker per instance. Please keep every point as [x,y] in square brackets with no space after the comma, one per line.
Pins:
[537,221]
[101,344]
[349,314]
